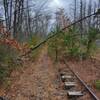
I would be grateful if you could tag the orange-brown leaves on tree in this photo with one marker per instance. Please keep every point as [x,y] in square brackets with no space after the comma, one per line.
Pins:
[4,32]
[6,40]
[11,42]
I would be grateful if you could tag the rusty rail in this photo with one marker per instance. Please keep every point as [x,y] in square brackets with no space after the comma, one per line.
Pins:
[82,82]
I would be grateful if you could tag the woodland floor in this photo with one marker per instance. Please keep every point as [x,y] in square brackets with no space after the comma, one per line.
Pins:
[39,80]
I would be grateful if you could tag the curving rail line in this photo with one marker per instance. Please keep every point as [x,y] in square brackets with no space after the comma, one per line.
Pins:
[82,82]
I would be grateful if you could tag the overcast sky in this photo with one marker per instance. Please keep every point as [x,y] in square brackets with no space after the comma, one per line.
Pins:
[53,5]
[66,4]
[60,3]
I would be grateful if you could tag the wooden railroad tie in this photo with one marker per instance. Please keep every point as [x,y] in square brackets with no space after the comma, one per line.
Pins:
[66,77]
[72,94]
[69,85]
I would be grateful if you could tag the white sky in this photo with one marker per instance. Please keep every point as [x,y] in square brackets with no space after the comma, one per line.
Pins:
[63,3]
[55,4]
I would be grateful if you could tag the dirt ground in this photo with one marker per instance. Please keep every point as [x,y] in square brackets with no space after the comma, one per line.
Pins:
[89,71]
[38,81]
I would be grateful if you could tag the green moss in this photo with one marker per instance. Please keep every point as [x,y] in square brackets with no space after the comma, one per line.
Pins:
[97,84]
[34,40]
[8,61]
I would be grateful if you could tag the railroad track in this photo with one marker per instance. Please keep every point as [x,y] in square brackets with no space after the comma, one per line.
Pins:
[76,88]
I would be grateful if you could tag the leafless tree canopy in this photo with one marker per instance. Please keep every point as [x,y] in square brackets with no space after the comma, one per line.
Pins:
[23,18]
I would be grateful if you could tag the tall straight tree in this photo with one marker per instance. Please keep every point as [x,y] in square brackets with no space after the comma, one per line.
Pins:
[75,11]
[89,12]
[10,19]
[81,16]
[6,10]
